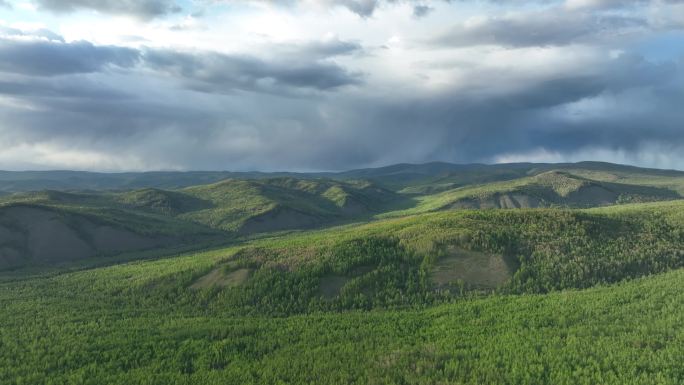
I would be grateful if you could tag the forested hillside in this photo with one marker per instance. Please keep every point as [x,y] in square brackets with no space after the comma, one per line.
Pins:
[316,280]
[162,321]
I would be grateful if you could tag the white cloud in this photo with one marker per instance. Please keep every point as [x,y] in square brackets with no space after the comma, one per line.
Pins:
[46,156]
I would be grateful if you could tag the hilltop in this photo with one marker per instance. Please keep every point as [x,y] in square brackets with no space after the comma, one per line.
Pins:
[235,209]
[547,189]
[153,218]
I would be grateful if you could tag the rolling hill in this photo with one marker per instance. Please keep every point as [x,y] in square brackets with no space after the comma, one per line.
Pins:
[254,206]
[232,210]
[38,234]
[573,275]
[428,258]
[548,189]
[79,225]
[425,178]
[460,296]
[435,177]
[23,181]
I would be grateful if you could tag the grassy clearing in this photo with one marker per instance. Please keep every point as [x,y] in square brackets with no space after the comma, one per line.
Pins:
[221,278]
[331,285]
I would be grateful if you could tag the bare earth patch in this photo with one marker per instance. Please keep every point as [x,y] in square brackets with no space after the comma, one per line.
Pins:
[476,269]
[331,285]
[219,278]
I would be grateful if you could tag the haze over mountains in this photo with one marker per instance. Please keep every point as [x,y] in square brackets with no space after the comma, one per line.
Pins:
[394,175]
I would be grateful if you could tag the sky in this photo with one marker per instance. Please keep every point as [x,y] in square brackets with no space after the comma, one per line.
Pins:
[323,85]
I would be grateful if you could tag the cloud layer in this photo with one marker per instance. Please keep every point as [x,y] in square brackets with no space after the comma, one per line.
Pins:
[140,8]
[325,85]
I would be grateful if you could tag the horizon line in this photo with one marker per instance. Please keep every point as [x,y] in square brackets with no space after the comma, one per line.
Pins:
[341,171]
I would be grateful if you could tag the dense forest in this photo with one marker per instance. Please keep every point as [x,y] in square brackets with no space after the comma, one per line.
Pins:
[556,295]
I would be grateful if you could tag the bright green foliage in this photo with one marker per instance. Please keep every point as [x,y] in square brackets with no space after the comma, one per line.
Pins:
[297,203]
[50,333]
[386,263]
[161,201]
[594,295]
[287,203]
[549,189]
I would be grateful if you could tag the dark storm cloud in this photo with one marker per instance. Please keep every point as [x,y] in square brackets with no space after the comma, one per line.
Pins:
[105,117]
[148,9]
[318,49]
[460,126]
[41,33]
[141,112]
[421,10]
[366,8]
[301,109]
[457,126]
[49,58]
[295,66]
[340,130]
[145,9]
[214,72]
[606,4]
[41,89]
[363,8]
[544,28]
[542,114]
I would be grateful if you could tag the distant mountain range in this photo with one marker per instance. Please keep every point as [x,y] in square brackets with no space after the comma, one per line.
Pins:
[437,175]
